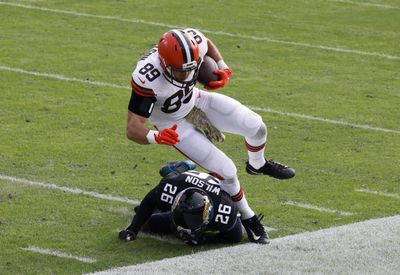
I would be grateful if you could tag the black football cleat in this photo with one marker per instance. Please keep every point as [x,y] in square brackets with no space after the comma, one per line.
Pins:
[255,230]
[127,235]
[272,169]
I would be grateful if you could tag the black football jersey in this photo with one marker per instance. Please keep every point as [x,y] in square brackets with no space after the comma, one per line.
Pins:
[223,213]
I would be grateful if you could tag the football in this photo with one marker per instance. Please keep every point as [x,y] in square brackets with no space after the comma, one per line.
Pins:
[206,71]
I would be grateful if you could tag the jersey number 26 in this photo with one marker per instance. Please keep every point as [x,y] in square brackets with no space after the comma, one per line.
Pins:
[223,213]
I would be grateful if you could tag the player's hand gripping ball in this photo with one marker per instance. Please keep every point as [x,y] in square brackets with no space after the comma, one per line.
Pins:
[206,71]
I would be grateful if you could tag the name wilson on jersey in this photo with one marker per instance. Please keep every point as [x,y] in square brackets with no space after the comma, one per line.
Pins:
[212,188]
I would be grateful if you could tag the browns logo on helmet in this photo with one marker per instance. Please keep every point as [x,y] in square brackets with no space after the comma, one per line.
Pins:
[180,57]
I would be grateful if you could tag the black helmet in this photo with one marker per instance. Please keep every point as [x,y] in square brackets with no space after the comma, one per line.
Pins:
[191,209]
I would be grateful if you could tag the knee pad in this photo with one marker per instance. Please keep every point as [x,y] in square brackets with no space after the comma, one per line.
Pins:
[262,132]
[250,123]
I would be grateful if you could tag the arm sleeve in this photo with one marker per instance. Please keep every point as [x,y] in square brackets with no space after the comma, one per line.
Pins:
[141,105]
[142,100]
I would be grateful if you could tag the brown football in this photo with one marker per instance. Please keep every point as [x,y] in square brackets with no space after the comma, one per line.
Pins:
[206,71]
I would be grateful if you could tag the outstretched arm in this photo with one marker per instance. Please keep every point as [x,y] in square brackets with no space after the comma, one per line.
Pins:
[143,213]
[135,129]
[137,132]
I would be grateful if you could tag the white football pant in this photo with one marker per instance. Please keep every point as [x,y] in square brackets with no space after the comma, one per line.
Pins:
[228,115]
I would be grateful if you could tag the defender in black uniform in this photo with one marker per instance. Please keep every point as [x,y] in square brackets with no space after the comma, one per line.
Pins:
[192,205]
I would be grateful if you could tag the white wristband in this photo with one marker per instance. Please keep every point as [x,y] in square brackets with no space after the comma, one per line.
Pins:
[222,65]
[151,136]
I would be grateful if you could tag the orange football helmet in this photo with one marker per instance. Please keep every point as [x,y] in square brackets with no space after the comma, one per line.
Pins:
[180,58]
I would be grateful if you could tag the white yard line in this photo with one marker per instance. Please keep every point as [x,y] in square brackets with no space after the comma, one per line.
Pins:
[332,121]
[58,254]
[306,45]
[166,239]
[32,0]
[369,247]
[255,38]
[317,208]
[379,193]
[270,229]
[254,108]
[69,189]
[376,5]
[158,237]
[62,77]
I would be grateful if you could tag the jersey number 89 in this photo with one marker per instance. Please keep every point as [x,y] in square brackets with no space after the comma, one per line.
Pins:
[150,72]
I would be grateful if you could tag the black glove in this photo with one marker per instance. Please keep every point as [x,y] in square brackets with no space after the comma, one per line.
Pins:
[127,235]
[190,237]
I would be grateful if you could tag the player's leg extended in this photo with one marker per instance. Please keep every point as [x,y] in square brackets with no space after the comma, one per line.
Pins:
[229,115]
[198,148]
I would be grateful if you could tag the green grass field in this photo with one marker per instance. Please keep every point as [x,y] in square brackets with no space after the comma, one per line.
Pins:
[324,75]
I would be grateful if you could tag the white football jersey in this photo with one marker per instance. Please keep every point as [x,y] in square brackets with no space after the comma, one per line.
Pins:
[172,103]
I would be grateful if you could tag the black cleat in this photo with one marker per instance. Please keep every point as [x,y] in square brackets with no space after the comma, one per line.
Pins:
[272,169]
[255,230]
[127,235]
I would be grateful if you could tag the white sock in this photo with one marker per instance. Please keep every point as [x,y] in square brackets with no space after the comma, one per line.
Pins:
[255,160]
[232,186]
[256,155]
[256,146]
[244,209]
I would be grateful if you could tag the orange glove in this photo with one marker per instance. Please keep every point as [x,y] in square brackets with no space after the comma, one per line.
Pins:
[167,136]
[224,76]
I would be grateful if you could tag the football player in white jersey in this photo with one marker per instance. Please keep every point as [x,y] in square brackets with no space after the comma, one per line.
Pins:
[164,92]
